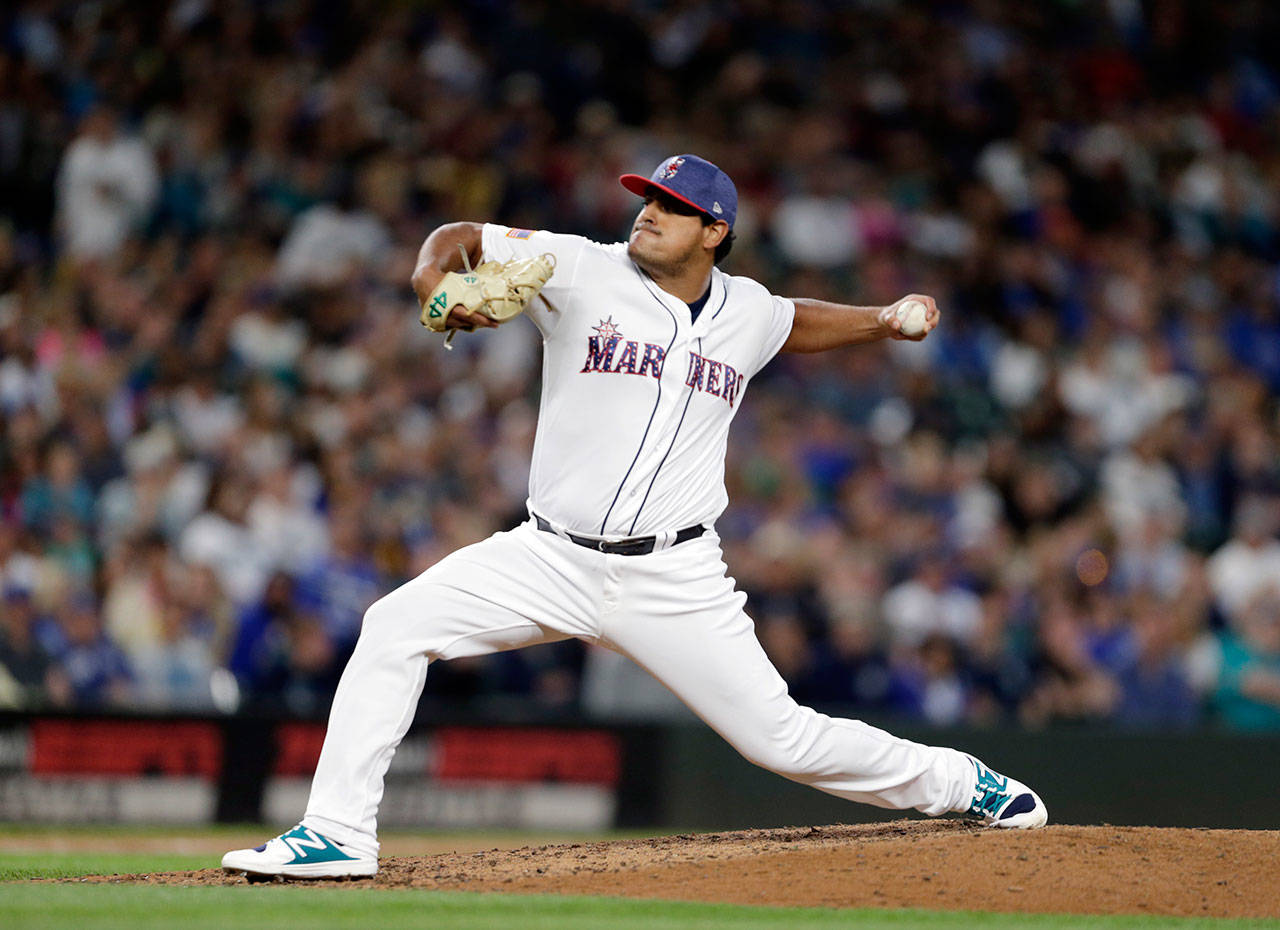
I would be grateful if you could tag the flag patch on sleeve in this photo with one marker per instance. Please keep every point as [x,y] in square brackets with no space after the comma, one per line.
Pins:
[519,233]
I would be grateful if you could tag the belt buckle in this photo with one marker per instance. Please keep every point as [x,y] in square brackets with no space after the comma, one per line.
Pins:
[600,545]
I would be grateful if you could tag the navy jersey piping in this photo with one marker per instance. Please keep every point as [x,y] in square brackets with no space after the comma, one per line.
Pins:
[657,400]
[654,479]
[687,401]
[724,299]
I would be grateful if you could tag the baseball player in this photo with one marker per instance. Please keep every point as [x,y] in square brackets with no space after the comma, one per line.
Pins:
[648,349]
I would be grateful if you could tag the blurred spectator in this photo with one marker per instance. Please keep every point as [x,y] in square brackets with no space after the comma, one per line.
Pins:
[929,602]
[139,581]
[327,244]
[219,412]
[107,186]
[1154,690]
[286,524]
[818,227]
[1069,685]
[173,622]
[1248,695]
[1248,564]
[342,585]
[221,538]
[175,671]
[33,678]
[281,656]
[96,669]
[58,492]
[926,682]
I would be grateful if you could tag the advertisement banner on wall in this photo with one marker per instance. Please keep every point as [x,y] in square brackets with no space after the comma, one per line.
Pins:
[164,771]
[472,777]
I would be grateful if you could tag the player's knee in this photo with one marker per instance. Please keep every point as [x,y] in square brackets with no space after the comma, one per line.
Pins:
[764,755]
[384,618]
[792,749]
[766,749]
[377,616]
[787,762]
[395,620]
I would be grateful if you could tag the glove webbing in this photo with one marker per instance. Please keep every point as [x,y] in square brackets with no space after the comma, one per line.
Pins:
[466,263]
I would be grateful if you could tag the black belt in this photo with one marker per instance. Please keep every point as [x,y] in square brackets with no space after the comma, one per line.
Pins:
[637,545]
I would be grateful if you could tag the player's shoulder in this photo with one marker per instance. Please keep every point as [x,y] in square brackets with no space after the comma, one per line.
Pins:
[744,289]
[499,231]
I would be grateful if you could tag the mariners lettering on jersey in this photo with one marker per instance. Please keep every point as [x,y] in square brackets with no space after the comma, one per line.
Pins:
[603,353]
[712,377]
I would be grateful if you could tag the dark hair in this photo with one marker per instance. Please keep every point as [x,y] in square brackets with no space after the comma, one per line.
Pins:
[726,244]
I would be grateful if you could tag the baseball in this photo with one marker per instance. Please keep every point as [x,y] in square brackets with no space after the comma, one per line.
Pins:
[911,313]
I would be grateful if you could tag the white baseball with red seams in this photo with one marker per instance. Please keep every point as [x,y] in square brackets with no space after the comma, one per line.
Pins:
[637,399]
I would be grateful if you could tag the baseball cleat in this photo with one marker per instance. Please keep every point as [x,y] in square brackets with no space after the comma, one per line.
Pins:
[300,853]
[1004,802]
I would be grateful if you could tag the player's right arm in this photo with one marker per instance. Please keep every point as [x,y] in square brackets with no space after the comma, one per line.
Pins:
[440,255]
[820,325]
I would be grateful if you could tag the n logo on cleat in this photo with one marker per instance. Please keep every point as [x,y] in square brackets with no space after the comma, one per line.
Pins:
[300,843]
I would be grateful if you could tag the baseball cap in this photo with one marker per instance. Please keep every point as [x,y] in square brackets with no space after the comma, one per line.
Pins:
[691,180]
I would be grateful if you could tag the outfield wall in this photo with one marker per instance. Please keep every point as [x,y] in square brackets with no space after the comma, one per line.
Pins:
[1085,776]
[565,774]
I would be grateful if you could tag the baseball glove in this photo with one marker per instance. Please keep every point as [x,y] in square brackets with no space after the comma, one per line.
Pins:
[499,290]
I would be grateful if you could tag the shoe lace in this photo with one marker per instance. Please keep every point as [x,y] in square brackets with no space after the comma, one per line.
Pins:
[990,792]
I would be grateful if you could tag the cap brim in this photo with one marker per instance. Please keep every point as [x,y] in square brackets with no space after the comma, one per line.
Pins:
[638,184]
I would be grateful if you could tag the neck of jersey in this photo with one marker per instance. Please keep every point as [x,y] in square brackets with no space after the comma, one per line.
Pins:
[696,307]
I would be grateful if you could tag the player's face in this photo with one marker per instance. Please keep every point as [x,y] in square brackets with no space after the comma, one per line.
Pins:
[667,235]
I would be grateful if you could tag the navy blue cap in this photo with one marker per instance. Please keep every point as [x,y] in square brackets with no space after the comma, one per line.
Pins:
[691,180]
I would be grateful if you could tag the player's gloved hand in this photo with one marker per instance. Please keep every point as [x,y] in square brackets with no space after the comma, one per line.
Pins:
[488,295]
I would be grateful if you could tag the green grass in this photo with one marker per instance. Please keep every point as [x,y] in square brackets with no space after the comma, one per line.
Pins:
[19,866]
[11,828]
[243,907]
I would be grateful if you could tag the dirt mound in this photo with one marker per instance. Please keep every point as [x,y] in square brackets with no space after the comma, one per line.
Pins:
[943,865]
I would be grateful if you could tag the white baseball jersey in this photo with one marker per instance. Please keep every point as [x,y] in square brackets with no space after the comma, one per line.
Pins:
[637,398]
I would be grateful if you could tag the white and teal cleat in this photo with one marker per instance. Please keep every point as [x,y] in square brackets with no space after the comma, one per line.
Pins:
[300,853]
[1004,802]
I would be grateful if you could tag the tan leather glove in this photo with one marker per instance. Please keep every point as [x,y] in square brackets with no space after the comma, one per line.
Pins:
[499,290]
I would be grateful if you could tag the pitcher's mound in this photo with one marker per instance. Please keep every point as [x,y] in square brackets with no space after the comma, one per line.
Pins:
[943,865]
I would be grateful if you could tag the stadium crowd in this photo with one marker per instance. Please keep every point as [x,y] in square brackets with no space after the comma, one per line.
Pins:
[225,432]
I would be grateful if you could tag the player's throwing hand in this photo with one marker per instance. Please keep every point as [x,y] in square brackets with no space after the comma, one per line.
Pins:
[911,318]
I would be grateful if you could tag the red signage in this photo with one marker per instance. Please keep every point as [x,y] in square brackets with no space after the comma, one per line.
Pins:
[484,754]
[541,755]
[125,748]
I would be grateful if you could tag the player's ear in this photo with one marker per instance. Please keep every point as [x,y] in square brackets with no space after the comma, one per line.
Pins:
[714,234]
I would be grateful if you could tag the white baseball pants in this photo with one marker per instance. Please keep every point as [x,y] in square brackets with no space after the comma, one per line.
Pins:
[674,612]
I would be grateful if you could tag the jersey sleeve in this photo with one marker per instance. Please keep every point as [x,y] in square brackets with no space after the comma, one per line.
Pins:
[779,316]
[503,243]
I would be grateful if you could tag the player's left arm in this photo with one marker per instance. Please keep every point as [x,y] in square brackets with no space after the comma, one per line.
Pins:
[820,325]
[440,255]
